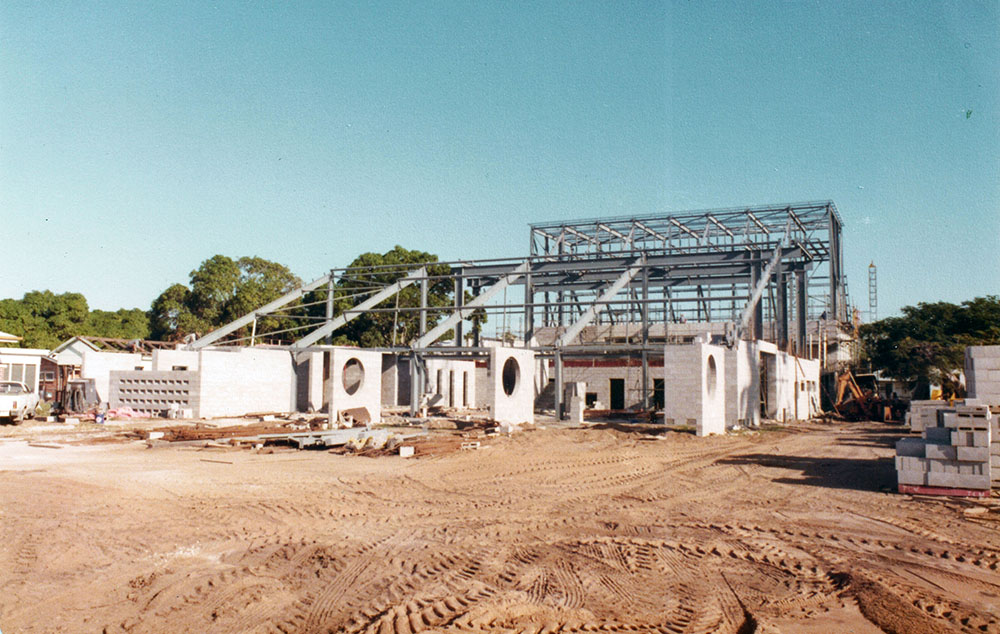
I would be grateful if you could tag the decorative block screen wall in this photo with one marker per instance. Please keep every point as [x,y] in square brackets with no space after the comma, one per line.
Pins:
[151,393]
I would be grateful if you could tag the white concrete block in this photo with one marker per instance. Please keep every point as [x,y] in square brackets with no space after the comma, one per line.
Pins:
[972,454]
[977,438]
[512,383]
[958,480]
[937,435]
[915,478]
[940,452]
[910,447]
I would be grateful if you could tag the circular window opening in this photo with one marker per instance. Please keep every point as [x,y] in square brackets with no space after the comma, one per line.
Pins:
[353,376]
[711,376]
[510,375]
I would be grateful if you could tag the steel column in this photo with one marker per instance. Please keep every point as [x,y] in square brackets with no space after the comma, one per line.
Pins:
[558,396]
[802,305]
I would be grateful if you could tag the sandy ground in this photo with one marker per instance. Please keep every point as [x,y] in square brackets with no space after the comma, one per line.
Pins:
[556,530]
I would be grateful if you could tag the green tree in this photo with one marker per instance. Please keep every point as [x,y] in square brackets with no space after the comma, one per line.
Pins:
[120,324]
[214,285]
[170,316]
[372,271]
[43,318]
[222,289]
[927,344]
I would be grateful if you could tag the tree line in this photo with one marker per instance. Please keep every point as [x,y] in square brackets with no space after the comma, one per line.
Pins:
[222,289]
[927,343]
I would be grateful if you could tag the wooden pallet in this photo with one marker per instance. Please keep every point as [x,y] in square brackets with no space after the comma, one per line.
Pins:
[925,490]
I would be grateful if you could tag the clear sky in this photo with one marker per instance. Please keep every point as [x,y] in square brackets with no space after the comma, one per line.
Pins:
[139,138]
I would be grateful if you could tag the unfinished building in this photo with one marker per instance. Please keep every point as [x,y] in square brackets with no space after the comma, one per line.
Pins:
[716,318]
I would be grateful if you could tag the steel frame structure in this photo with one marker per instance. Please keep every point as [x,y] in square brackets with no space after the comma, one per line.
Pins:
[777,265]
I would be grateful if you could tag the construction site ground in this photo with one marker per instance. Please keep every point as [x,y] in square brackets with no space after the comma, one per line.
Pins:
[609,527]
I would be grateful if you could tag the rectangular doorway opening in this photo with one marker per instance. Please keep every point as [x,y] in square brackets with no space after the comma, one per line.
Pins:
[617,393]
[658,401]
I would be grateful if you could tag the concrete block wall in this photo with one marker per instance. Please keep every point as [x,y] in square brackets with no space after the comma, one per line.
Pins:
[792,385]
[368,394]
[519,405]
[152,393]
[694,387]
[390,380]
[238,381]
[807,374]
[309,376]
[454,381]
[982,373]
[167,360]
[598,380]
[484,386]
[743,385]
[98,365]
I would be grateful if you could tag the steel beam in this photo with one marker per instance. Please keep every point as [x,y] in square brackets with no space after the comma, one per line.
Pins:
[762,280]
[469,308]
[591,312]
[355,311]
[802,304]
[249,318]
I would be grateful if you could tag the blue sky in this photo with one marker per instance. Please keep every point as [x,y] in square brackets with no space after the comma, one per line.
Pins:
[138,139]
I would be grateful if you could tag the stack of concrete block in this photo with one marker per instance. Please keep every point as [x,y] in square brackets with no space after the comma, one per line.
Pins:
[923,414]
[982,378]
[982,373]
[954,455]
[995,445]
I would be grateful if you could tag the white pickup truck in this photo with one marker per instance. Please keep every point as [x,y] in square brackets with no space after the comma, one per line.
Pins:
[17,401]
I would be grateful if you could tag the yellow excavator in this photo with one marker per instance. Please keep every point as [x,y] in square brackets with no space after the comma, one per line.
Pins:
[855,403]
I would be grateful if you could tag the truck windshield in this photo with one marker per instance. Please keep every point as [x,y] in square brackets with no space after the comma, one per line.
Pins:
[11,388]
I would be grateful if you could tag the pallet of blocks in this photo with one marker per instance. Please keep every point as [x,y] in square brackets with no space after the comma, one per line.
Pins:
[951,458]
[923,414]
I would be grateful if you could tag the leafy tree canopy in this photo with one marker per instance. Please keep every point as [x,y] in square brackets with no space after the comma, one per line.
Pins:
[927,344]
[44,319]
[373,271]
[221,290]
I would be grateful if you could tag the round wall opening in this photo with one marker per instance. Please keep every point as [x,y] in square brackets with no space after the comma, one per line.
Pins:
[711,376]
[353,375]
[510,375]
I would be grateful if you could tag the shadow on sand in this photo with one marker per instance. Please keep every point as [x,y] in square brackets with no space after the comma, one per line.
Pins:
[836,473]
